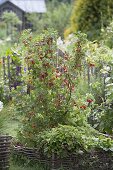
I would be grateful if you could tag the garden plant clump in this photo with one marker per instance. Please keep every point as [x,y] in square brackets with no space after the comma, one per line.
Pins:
[56,95]
[53,103]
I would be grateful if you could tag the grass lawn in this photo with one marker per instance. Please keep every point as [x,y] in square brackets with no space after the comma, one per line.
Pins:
[9,121]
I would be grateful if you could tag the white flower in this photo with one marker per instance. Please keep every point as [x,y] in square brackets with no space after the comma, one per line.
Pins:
[107,68]
[1,105]
[61,45]
[59,42]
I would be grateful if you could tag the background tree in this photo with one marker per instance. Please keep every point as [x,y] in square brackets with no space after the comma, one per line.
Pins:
[12,22]
[57,17]
[69,1]
[89,16]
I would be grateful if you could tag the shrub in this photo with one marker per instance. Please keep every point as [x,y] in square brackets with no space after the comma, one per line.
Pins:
[51,79]
[51,84]
[52,98]
[89,16]
[64,140]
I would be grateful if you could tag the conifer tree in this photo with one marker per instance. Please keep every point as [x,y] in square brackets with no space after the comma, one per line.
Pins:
[89,16]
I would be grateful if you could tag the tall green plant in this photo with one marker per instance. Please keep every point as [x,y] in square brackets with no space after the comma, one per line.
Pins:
[50,81]
[12,22]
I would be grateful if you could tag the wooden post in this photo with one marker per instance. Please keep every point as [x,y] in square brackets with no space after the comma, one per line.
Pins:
[104,88]
[88,74]
[53,161]
[4,70]
[9,75]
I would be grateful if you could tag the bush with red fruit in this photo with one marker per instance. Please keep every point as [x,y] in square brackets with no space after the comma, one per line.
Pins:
[51,81]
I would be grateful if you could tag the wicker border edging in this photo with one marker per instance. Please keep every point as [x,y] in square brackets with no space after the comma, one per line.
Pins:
[5,142]
[100,160]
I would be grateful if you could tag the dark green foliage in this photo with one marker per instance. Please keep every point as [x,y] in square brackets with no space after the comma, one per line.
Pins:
[65,1]
[89,16]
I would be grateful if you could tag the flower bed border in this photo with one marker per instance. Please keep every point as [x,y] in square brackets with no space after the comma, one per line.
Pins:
[5,142]
[101,160]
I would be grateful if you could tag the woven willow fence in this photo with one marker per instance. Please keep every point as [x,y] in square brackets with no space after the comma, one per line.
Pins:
[5,142]
[100,159]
